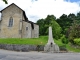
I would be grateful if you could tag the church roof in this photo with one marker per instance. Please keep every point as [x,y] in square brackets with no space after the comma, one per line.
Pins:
[24,14]
[32,24]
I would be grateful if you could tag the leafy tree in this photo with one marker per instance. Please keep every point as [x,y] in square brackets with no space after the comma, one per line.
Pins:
[64,39]
[40,22]
[48,22]
[78,17]
[49,19]
[56,29]
[65,21]
[5,1]
[74,31]
[44,24]
[72,16]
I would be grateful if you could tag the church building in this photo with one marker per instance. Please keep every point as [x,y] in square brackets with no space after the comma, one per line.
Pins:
[15,24]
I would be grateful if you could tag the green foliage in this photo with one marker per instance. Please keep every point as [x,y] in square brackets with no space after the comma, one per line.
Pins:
[72,49]
[74,31]
[42,40]
[78,17]
[40,22]
[72,16]
[64,40]
[64,21]
[56,30]
[67,46]
[64,25]
[5,1]
[44,24]
[77,41]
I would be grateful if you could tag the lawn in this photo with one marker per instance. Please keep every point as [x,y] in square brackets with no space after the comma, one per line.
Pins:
[42,40]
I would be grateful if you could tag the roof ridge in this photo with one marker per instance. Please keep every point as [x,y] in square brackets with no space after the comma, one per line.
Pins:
[26,19]
[10,5]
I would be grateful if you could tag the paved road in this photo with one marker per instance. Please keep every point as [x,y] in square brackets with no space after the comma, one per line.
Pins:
[12,55]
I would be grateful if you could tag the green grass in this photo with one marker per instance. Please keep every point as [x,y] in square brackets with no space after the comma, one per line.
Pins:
[32,41]
[42,40]
[72,49]
[68,46]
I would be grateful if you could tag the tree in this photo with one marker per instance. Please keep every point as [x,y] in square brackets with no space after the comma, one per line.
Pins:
[5,1]
[74,31]
[40,22]
[65,22]
[56,29]
[44,24]
[64,39]
[48,22]
[78,17]
[72,16]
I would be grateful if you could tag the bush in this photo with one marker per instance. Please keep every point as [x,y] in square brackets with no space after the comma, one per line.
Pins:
[64,40]
[77,41]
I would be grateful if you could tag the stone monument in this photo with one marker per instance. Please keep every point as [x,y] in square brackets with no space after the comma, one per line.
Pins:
[51,46]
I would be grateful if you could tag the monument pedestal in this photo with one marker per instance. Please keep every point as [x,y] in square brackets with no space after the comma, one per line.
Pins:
[51,46]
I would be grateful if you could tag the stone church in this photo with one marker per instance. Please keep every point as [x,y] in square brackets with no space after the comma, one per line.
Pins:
[15,24]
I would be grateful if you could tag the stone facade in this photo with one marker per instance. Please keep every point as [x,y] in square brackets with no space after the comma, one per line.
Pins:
[19,27]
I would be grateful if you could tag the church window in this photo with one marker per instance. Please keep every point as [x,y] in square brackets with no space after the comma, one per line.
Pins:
[10,22]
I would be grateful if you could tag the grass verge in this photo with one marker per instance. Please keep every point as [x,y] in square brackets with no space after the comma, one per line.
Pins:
[42,40]
[32,41]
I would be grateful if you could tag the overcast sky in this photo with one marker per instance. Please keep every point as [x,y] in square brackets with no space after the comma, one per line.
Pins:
[37,9]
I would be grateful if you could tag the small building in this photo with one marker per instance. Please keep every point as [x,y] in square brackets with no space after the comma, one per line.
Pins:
[15,24]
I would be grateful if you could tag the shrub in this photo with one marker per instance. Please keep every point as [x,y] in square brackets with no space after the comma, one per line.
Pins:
[77,41]
[64,40]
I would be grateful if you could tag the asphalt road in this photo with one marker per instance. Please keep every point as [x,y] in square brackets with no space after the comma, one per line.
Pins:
[13,55]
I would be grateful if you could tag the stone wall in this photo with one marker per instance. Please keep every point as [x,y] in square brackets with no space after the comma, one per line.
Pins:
[10,32]
[19,28]
[35,31]
[26,30]
[24,48]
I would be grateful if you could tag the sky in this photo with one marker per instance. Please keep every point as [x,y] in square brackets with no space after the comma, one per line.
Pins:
[38,9]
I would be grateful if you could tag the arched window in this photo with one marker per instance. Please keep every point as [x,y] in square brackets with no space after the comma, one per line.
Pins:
[10,22]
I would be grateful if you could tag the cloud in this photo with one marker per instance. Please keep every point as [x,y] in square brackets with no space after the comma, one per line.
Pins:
[37,9]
